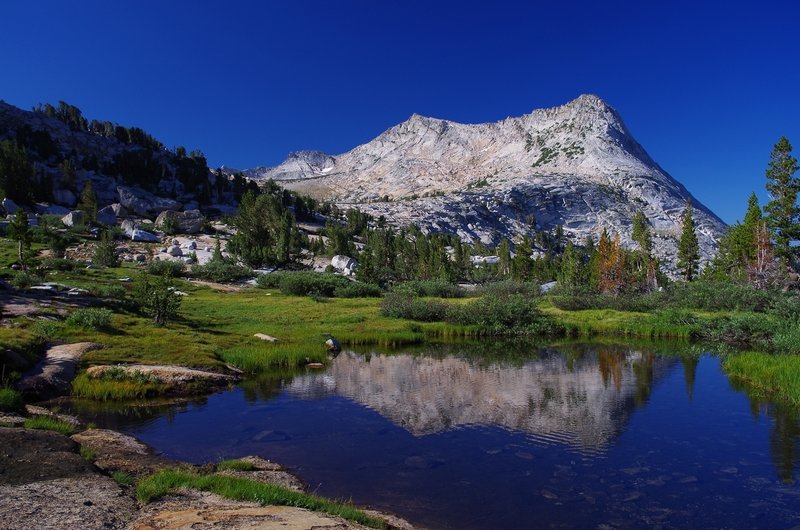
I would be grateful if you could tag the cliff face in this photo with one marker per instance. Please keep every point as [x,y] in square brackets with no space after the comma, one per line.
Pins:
[575,165]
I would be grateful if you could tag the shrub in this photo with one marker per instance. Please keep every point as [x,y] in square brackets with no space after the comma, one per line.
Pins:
[24,279]
[223,270]
[721,296]
[398,305]
[169,268]
[10,400]
[47,329]
[303,283]
[516,313]
[122,478]
[358,290]
[60,264]
[113,291]
[509,287]
[157,298]
[435,288]
[105,252]
[90,318]
[740,330]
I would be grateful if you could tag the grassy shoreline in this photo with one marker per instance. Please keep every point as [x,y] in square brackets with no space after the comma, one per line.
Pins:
[217,328]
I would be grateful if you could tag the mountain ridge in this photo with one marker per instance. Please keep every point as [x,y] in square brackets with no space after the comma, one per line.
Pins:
[576,165]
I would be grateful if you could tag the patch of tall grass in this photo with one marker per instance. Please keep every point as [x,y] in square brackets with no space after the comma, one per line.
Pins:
[776,377]
[168,480]
[11,400]
[48,423]
[110,389]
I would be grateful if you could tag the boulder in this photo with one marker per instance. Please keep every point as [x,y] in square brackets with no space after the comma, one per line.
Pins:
[128,227]
[333,345]
[65,197]
[175,251]
[74,218]
[187,222]
[140,258]
[106,216]
[9,206]
[119,210]
[141,235]
[145,203]
[344,264]
[191,245]
[547,287]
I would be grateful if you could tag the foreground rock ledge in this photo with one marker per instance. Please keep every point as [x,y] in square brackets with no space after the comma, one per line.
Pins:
[46,484]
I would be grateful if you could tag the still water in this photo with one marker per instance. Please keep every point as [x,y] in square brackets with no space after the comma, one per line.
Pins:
[591,436]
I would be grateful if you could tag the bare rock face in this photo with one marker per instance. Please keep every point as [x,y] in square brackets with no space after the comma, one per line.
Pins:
[187,222]
[145,203]
[107,216]
[575,165]
[74,218]
[344,264]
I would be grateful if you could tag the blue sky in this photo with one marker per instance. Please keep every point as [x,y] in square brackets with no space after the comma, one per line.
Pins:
[706,87]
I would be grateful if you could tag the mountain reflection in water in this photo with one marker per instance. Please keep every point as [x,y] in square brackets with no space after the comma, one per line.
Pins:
[583,401]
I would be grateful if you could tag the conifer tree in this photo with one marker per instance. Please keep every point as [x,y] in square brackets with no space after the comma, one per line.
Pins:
[641,233]
[783,214]
[19,231]
[688,246]
[569,275]
[504,253]
[88,202]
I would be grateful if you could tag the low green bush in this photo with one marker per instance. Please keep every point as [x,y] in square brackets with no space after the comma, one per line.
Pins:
[509,287]
[400,305]
[433,288]
[169,268]
[721,296]
[24,279]
[742,330]
[303,283]
[123,478]
[10,400]
[358,290]
[47,329]
[223,270]
[90,318]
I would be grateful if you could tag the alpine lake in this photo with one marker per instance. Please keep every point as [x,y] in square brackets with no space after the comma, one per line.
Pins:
[505,435]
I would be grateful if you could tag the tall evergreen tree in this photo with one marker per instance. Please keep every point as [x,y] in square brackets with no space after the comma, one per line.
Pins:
[504,253]
[570,274]
[88,202]
[19,231]
[783,214]
[641,233]
[688,246]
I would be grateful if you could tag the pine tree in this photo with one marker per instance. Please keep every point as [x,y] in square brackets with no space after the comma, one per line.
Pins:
[504,253]
[688,246]
[641,233]
[571,268]
[783,214]
[88,202]
[19,231]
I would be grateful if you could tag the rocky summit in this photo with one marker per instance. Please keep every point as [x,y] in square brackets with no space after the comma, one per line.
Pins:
[576,165]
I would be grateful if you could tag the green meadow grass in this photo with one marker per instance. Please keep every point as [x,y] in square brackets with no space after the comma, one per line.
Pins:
[165,481]
[50,424]
[766,376]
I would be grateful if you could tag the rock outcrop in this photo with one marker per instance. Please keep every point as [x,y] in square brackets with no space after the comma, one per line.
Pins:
[575,165]
[186,222]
